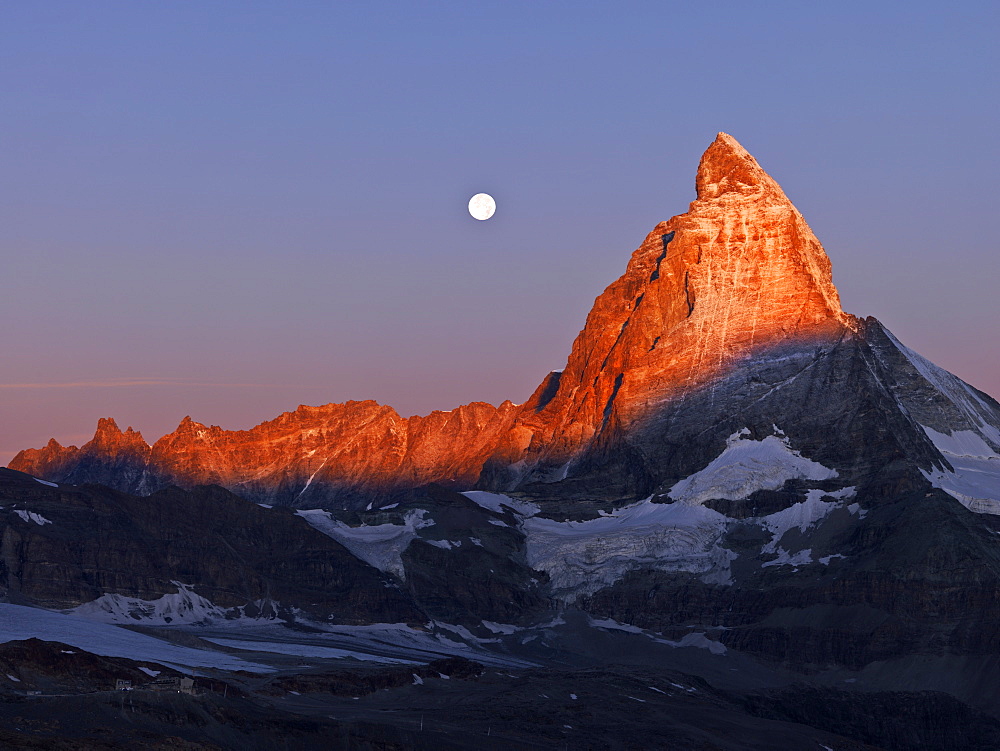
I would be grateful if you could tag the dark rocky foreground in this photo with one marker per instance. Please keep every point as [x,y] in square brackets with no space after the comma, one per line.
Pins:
[364,707]
[891,646]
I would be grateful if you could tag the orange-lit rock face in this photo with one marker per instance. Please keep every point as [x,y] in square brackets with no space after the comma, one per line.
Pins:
[360,445]
[109,446]
[740,272]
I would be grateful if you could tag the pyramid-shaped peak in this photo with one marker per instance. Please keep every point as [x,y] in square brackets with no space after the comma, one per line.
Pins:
[728,168]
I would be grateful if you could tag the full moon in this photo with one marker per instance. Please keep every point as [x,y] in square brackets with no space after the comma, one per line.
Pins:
[482,206]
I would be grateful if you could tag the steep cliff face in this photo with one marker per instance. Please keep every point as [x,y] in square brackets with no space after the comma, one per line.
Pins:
[342,453]
[64,546]
[113,458]
[738,275]
[725,320]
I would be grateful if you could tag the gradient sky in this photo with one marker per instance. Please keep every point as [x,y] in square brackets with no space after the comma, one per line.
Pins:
[226,209]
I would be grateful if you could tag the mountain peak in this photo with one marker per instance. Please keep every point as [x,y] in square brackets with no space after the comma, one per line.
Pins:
[109,437]
[739,275]
[108,426]
[726,167]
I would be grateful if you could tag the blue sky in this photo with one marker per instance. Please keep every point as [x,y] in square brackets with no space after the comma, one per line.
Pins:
[225,209]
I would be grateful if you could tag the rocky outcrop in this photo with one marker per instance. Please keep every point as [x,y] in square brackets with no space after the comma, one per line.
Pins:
[739,275]
[112,458]
[203,549]
[337,455]
[36,665]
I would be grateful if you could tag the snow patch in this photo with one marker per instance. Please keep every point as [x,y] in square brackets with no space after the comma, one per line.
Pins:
[746,466]
[497,502]
[975,479]
[379,545]
[699,640]
[684,688]
[802,515]
[445,544]
[801,558]
[500,628]
[613,625]
[31,516]
[855,508]
[149,672]
[46,482]
[312,477]
[16,680]
[461,631]
[183,606]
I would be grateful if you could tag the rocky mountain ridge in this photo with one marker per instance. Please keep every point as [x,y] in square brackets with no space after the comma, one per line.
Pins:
[726,316]
[711,305]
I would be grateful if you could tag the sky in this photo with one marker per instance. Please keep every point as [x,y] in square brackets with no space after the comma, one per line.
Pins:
[228,209]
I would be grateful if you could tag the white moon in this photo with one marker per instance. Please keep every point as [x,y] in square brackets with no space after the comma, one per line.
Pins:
[482,206]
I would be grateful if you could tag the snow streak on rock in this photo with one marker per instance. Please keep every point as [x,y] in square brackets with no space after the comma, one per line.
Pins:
[379,545]
[31,516]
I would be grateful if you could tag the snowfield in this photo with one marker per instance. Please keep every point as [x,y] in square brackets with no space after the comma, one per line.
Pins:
[746,466]
[583,557]
[19,622]
[171,609]
[975,479]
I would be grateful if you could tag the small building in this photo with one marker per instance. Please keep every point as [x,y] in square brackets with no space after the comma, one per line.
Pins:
[180,685]
[164,684]
[122,685]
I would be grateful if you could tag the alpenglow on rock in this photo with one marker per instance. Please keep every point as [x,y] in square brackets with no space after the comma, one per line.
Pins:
[725,320]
